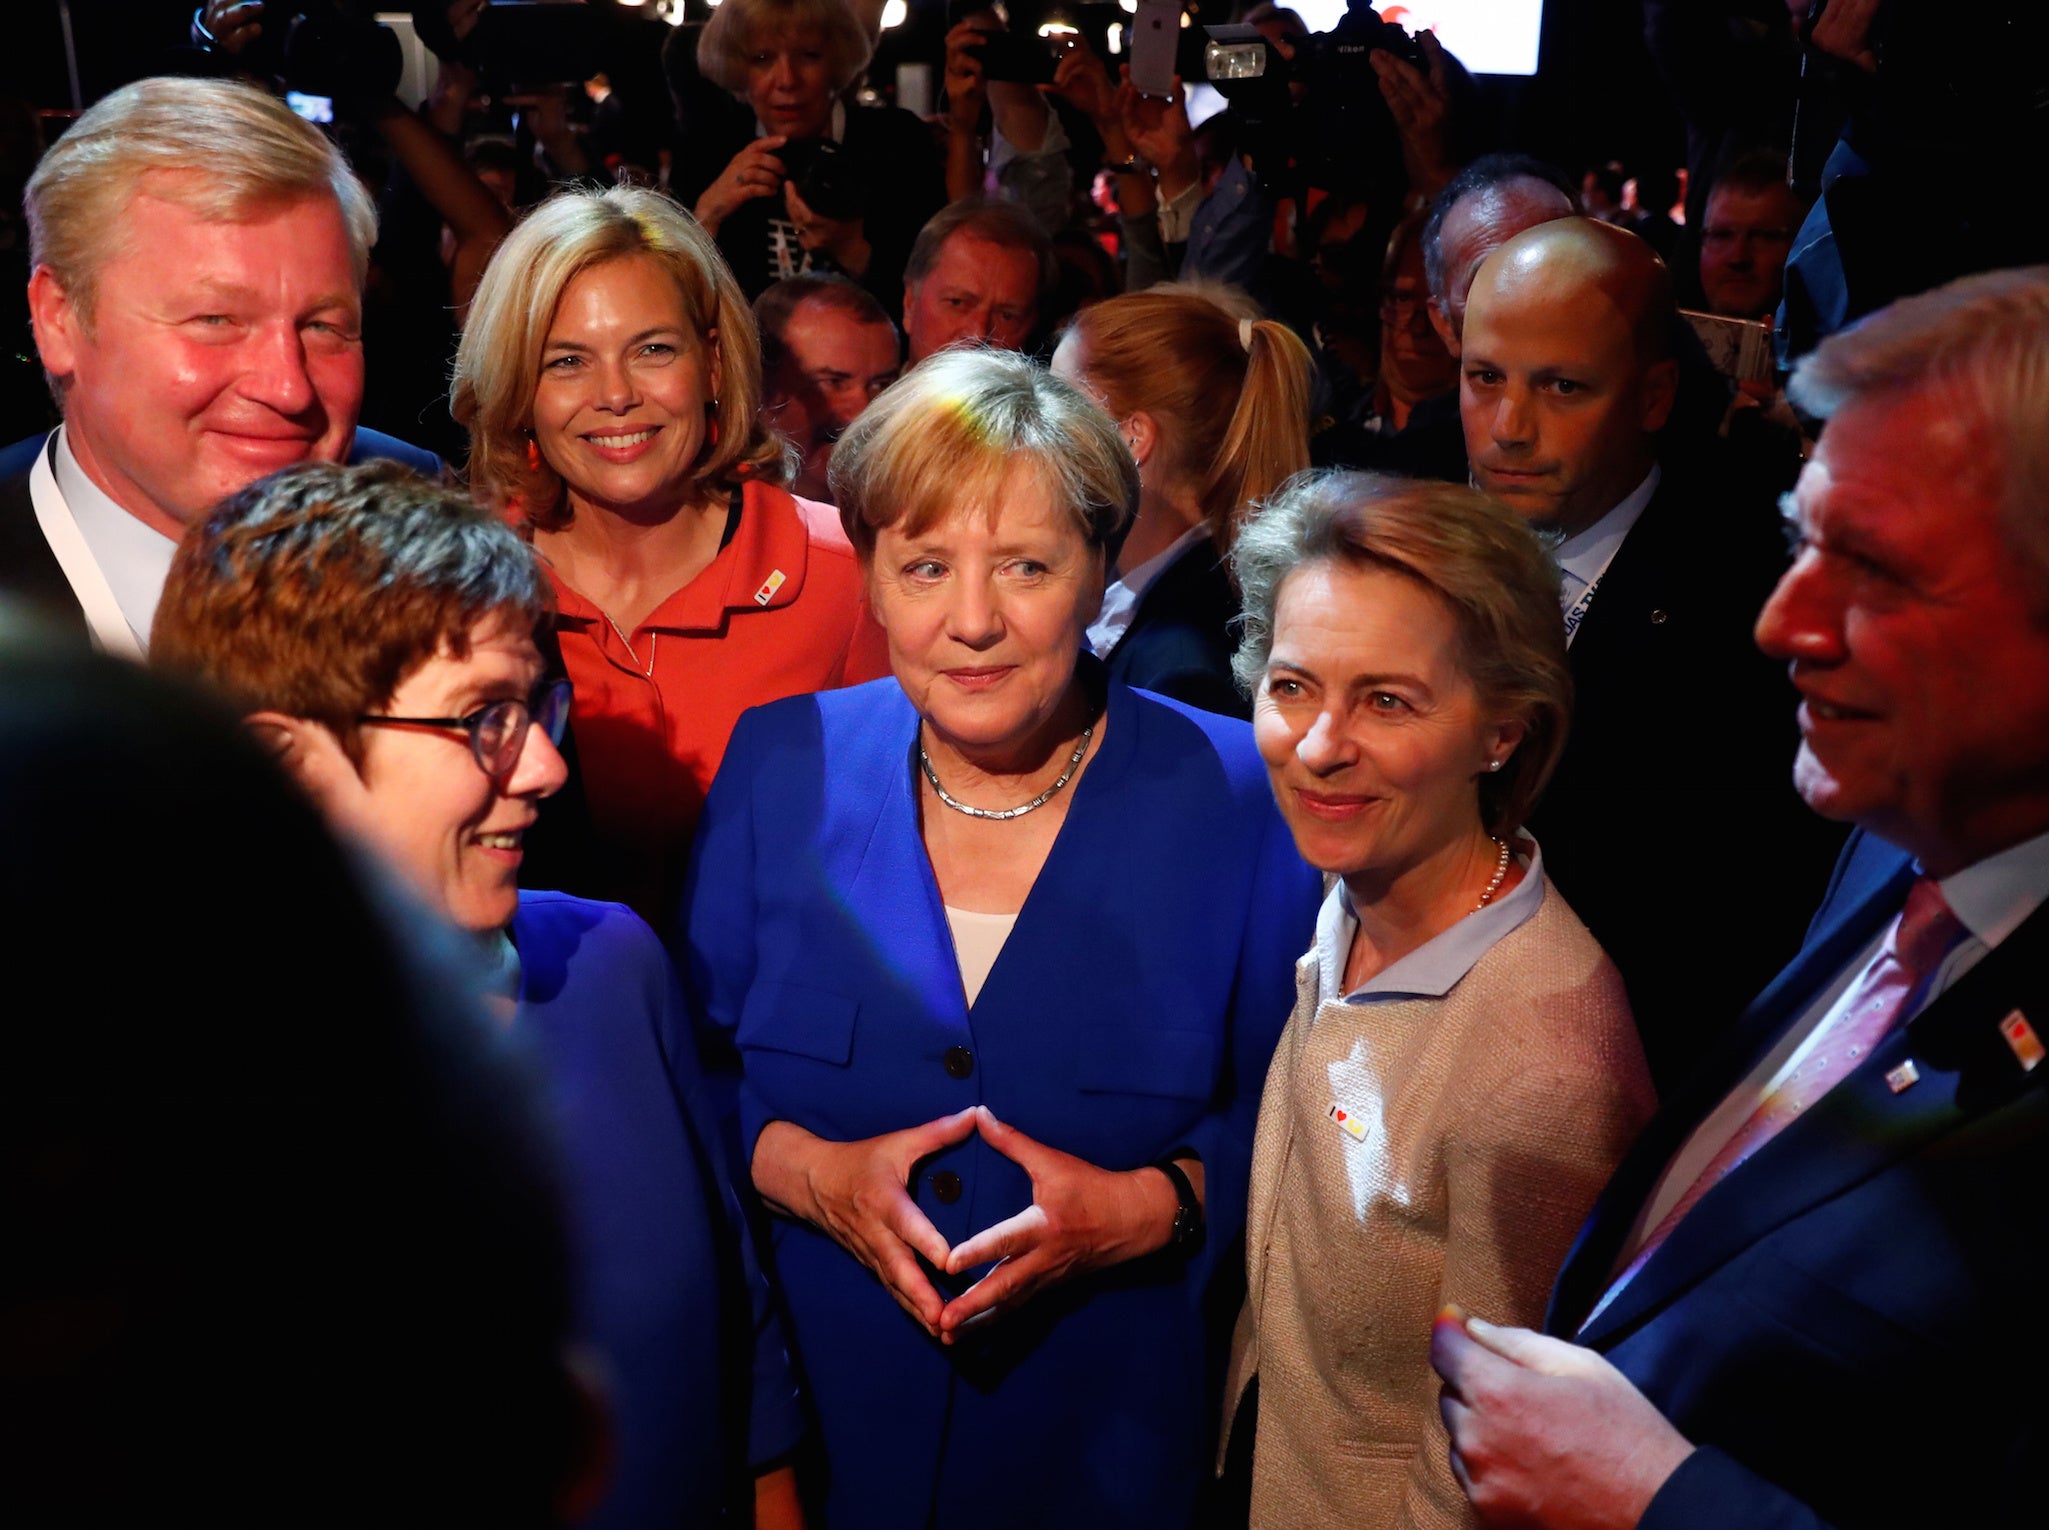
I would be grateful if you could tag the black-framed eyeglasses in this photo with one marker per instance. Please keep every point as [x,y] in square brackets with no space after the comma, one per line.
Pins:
[498,731]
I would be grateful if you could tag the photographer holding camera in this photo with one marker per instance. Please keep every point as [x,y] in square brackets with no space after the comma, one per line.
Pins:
[813,182]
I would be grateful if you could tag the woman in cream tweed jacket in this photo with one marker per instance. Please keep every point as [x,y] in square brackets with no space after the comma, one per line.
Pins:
[1460,1074]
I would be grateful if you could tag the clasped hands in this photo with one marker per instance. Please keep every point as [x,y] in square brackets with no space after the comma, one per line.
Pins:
[1081,1217]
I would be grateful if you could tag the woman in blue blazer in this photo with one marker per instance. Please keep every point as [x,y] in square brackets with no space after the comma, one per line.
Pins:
[1003,947]
[376,632]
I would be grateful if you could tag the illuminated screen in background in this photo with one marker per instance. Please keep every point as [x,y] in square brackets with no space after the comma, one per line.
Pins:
[1487,36]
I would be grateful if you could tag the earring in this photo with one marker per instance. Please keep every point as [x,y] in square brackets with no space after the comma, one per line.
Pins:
[533,454]
[1494,764]
[711,425]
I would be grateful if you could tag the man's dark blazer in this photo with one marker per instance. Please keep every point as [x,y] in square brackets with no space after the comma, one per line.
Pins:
[1849,1325]
[1181,637]
[29,571]
[1671,825]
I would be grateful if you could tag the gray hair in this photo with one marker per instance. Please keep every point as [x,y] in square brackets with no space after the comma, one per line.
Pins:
[1476,555]
[223,150]
[1982,343]
[1491,175]
[738,27]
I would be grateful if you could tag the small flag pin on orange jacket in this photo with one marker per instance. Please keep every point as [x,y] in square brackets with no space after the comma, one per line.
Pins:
[769,586]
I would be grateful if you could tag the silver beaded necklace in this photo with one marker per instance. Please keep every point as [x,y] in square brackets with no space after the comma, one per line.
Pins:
[1073,764]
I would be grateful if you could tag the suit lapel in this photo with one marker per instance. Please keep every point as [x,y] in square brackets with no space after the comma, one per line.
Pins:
[1874,882]
[1860,1127]
[893,875]
[1630,589]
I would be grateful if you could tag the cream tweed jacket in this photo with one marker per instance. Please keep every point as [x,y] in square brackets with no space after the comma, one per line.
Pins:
[1484,1123]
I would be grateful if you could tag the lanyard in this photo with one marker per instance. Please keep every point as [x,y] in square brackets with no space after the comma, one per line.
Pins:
[110,630]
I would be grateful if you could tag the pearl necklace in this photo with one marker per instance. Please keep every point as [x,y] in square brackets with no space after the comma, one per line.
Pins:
[1073,763]
[1500,873]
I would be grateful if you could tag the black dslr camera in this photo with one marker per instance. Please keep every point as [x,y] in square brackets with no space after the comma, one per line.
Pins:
[1340,135]
[829,182]
[327,48]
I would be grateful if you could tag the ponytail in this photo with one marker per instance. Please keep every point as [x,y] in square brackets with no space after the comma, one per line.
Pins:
[1267,440]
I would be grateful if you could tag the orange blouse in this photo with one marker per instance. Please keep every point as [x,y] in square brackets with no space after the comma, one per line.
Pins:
[779,612]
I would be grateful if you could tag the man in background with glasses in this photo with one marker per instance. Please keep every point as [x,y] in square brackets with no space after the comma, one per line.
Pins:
[377,633]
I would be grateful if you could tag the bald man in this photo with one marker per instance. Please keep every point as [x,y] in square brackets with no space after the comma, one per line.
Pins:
[1672,826]
[1485,205]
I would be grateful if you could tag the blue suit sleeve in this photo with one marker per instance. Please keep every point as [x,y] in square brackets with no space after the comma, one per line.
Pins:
[715,940]
[1711,1491]
[1280,921]
[775,1418]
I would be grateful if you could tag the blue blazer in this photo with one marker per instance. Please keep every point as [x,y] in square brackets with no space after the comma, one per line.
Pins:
[668,1291]
[1849,1325]
[1132,1011]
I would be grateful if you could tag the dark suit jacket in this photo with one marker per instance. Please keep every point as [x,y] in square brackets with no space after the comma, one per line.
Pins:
[1847,1326]
[29,571]
[1672,826]
[1180,640]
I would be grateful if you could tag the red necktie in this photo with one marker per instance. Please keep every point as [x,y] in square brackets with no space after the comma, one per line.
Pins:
[1914,946]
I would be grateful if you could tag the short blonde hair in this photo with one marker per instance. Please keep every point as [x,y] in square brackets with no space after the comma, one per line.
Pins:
[738,27]
[1476,555]
[223,150]
[1228,393]
[954,429]
[498,363]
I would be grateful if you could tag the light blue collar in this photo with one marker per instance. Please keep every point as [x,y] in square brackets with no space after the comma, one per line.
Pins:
[1435,967]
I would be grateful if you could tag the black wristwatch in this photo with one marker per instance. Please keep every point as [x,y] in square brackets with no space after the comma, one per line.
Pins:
[1188,1217]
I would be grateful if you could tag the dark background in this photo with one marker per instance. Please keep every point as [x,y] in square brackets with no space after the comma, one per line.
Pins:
[1595,95]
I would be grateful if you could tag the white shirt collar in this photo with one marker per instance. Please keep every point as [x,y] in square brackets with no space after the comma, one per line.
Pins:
[1120,600]
[135,558]
[1586,555]
[1435,967]
[1994,896]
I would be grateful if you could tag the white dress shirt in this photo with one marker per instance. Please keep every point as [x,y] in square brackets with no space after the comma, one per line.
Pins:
[1584,558]
[1990,900]
[1120,600]
[134,559]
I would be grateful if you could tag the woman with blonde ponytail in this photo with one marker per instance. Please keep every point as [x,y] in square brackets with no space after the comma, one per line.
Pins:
[1214,403]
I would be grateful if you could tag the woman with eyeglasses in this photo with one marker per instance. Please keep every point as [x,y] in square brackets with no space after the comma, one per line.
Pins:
[377,633]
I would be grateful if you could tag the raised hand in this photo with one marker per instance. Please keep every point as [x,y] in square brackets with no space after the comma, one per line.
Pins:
[1844,31]
[1081,80]
[857,1192]
[1159,133]
[1081,1218]
[966,88]
[753,172]
[1420,101]
[233,24]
